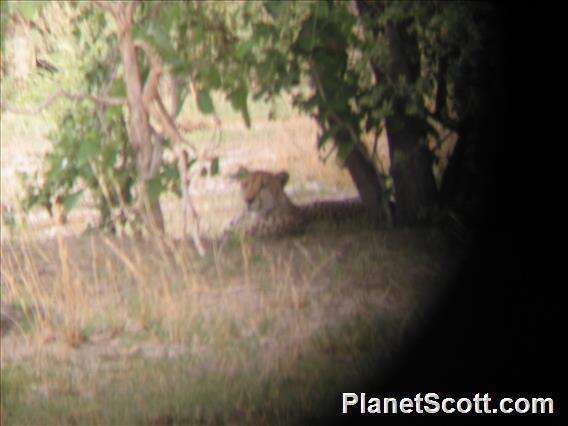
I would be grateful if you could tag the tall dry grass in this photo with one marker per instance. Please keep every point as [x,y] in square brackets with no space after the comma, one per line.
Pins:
[107,330]
[95,320]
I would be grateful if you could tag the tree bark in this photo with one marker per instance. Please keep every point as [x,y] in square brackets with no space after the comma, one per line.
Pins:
[369,186]
[139,125]
[411,161]
[411,166]
[411,169]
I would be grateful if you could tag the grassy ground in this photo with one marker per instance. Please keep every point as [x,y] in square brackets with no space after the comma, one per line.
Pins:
[121,332]
[105,330]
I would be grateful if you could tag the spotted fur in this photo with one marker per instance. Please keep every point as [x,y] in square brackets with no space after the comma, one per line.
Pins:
[271,212]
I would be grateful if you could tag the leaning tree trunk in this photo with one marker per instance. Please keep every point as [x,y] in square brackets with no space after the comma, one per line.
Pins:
[369,186]
[140,132]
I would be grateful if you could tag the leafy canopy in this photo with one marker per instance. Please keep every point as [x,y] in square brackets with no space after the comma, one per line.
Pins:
[331,56]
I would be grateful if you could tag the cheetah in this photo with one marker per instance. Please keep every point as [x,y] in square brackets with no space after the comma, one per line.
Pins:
[264,191]
[270,212]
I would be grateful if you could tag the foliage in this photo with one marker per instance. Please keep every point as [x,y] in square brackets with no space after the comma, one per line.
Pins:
[203,43]
[90,144]
[28,10]
[101,163]
[332,56]
[344,54]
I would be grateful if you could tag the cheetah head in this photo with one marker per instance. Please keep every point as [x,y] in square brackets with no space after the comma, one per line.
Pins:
[262,191]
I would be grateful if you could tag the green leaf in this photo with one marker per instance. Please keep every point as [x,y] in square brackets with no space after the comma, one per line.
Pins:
[329,133]
[307,38]
[239,101]
[343,150]
[275,8]
[236,99]
[246,116]
[204,102]
[118,89]
[28,9]
[154,188]
[157,35]
[196,35]
[180,67]
[181,93]
[68,201]
[243,49]
[109,154]
[210,76]
[170,172]
[88,148]
[321,11]
[169,15]
[215,166]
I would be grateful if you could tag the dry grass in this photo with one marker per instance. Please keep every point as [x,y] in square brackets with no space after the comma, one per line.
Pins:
[105,330]
[153,330]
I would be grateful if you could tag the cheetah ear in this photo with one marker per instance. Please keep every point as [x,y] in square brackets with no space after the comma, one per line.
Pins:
[283,177]
[240,174]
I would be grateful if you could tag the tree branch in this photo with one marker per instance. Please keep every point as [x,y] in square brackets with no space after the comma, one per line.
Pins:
[151,94]
[130,6]
[442,120]
[152,102]
[441,86]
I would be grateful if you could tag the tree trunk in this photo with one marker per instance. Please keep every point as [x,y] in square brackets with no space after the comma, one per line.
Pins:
[468,184]
[370,187]
[457,179]
[411,169]
[411,161]
[140,133]
[411,166]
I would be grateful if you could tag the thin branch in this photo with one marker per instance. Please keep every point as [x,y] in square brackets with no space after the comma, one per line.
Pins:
[157,151]
[441,86]
[154,58]
[173,89]
[154,105]
[150,93]
[130,6]
[438,119]
[326,156]
[63,93]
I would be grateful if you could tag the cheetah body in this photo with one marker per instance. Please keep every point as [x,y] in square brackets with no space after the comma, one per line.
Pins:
[270,212]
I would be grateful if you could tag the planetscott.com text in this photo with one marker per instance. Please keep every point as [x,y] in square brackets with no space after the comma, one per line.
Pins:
[432,403]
